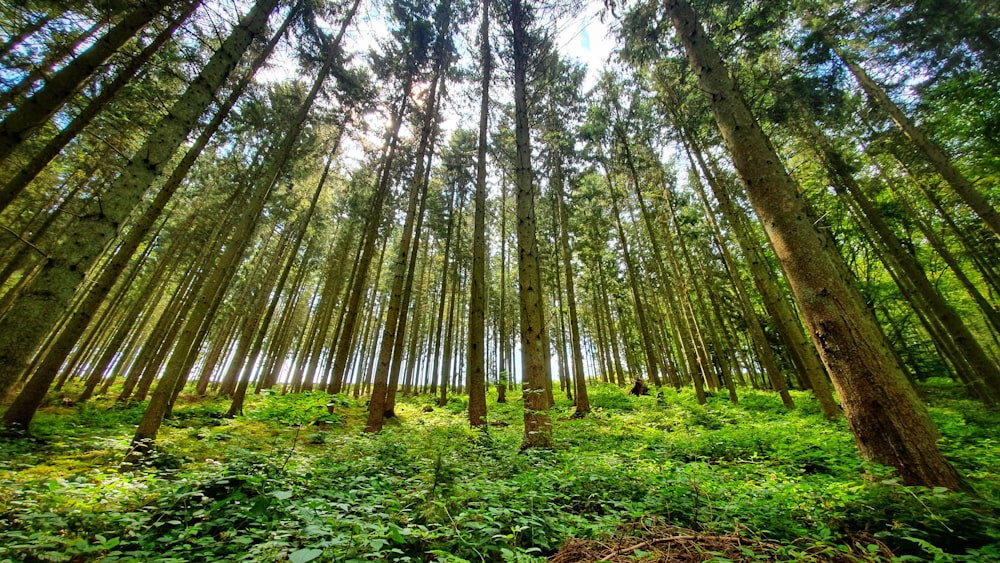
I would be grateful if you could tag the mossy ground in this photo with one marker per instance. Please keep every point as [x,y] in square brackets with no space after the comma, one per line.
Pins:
[290,481]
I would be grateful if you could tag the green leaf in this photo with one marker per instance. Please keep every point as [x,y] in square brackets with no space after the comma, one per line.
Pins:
[378,543]
[110,544]
[281,495]
[304,555]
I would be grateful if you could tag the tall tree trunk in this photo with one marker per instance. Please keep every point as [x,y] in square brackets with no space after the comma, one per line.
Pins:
[47,367]
[236,408]
[392,331]
[534,361]
[18,125]
[503,377]
[334,277]
[890,424]
[604,303]
[652,368]
[933,152]
[803,353]
[946,254]
[448,375]
[38,309]
[196,325]
[44,156]
[372,222]
[579,380]
[476,359]
[763,349]
[397,353]
[984,377]
[54,56]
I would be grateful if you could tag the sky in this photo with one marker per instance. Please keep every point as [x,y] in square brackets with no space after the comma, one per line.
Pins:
[589,40]
[584,38]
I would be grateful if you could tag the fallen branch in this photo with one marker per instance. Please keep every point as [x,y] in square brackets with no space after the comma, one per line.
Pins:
[648,543]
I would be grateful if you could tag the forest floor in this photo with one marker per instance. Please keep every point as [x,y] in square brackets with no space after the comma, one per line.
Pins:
[637,480]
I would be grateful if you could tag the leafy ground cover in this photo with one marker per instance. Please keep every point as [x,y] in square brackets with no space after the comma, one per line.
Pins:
[292,481]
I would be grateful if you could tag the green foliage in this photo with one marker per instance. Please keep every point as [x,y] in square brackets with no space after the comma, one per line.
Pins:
[297,410]
[266,488]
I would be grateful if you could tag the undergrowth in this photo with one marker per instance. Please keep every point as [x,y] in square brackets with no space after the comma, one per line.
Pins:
[296,480]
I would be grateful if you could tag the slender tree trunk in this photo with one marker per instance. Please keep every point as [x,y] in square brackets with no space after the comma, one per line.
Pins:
[652,369]
[984,376]
[372,222]
[18,125]
[763,349]
[196,325]
[579,380]
[392,331]
[38,309]
[504,365]
[334,278]
[448,364]
[939,246]
[604,302]
[803,353]
[236,408]
[28,172]
[53,57]
[397,354]
[476,359]
[933,152]
[534,361]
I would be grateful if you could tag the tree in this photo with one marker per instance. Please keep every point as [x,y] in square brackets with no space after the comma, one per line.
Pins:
[476,358]
[27,117]
[181,361]
[889,423]
[41,159]
[534,360]
[38,308]
[392,333]
[46,366]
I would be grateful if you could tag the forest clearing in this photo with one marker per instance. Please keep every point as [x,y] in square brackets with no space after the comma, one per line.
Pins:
[483,280]
[293,481]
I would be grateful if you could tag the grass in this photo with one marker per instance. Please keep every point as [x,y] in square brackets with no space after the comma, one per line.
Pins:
[291,481]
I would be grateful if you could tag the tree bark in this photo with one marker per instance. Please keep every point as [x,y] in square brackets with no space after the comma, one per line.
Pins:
[890,424]
[38,309]
[18,125]
[476,359]
[534,361]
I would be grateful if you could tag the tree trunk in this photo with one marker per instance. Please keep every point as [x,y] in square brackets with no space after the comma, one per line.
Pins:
[43,157]
[396,310]
[984,377]
[208,302]
[890,424]
[38,309]
[367,251]
[933,152]
[803,352]
[534,361]
[579,380]
[476,359]
[652,369]
[18,125]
